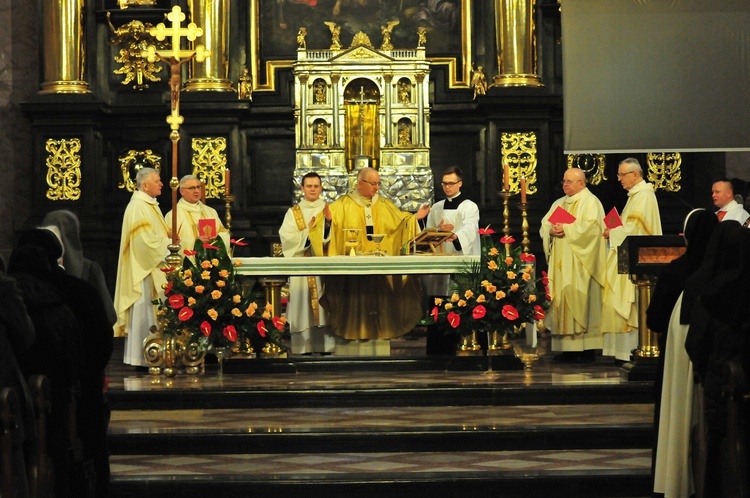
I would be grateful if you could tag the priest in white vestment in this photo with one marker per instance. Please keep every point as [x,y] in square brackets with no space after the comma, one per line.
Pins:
[619,304]
[306,232]
[143,246]
[722,193]
[190,210]
[373,306]
[577,257]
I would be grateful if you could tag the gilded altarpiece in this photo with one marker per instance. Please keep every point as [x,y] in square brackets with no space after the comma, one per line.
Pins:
[63,169]
[364,106]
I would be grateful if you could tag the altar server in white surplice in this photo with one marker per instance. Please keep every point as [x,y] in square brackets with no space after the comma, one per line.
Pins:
[455,214]
[305,232]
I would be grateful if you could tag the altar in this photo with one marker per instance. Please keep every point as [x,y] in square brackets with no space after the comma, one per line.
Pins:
[273,272]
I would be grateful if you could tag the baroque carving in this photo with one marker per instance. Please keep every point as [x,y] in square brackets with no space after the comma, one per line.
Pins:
[63,169]
[592,165]
[519,151]
[131,162]
[209,164]
[135,38]
[664,170]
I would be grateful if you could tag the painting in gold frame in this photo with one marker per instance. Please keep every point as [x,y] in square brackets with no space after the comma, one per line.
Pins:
[274,25]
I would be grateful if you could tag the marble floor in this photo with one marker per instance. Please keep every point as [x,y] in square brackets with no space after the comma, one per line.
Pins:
[320,421]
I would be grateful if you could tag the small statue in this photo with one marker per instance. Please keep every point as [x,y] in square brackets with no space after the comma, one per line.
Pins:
[319,92]
[245,86]
[404,133]
[478,81]
[404,92]
[386,31]
[421,36]
[320,137]
[301,34]
[335,35]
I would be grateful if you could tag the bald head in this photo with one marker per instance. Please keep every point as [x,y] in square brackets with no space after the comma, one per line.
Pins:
[574,180]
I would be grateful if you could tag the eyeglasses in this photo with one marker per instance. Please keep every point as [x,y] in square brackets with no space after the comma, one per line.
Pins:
[568,182]
[197,187]
[620,175]
[449,184]
[372,184]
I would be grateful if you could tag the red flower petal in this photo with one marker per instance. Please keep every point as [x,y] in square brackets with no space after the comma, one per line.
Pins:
[507,239]
[278,323]
[527,257]
[176,301]
[185,314]
[454,319]
[434,314]
[190,252]
[210,246]
[262,328]
[479,312]
[168,288]
[237,242]
[230,333]
[206,328]
[510,312]
[486,231]
[539,312]
[167,269]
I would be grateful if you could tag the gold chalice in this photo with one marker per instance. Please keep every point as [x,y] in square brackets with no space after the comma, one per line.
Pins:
[378,238]
[351,240]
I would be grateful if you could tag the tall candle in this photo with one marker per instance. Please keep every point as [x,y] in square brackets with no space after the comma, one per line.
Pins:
[523,190]
[506,177]
[226,182]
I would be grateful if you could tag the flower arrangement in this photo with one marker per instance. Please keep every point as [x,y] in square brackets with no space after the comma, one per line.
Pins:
[497,294]
[206,300]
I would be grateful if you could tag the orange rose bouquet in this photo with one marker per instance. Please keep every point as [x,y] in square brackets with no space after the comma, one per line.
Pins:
[206,299]
[499,293]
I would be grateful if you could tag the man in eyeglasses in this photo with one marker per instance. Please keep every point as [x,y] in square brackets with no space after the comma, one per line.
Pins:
[190,212]
[619,306]
[577,260]
[457,214]
[368,307]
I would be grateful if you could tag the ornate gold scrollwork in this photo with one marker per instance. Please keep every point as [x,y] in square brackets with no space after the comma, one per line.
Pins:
[592,165]
[664,170]
[135,38]
[132,161]
[63,169]
[209,164]
[519,152]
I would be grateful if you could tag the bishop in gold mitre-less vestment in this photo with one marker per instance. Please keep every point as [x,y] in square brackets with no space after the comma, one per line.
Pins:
[372,306]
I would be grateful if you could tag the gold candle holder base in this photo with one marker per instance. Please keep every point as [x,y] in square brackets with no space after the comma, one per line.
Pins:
[469,346]
[499,345]
[271,350]
[228,200]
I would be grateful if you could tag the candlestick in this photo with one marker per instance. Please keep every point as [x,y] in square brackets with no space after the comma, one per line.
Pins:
[506,177]
[228,199]
[525,242]
[227,190]
[203,191]
[506,218]
[523,190]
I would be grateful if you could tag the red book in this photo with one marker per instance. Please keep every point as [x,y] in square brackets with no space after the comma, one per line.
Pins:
[207,227]
[612,220]
[561,216]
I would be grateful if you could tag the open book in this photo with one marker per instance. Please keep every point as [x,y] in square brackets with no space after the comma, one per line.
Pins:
[428,241]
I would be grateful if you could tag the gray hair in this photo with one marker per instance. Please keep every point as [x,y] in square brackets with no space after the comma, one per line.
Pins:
[142,174]
[186,179]
[634,163]
[364,172]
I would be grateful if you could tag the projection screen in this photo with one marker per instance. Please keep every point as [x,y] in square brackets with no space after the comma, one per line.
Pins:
[656,75]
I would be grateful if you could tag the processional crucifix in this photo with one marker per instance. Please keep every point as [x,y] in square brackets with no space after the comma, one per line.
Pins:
[175,58]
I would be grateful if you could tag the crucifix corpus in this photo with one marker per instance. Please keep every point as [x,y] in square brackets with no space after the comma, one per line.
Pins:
[175,58]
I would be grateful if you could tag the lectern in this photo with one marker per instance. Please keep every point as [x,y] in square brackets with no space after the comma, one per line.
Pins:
[643,257]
